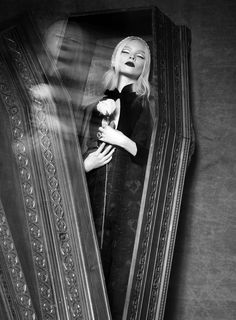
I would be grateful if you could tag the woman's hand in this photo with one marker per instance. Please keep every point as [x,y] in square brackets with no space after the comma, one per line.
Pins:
[111,136]
[99,158]
[117,138]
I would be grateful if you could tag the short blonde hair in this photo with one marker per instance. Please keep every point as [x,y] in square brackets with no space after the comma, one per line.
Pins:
[142,86]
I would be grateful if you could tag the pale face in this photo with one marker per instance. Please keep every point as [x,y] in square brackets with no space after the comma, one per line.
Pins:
[132,59]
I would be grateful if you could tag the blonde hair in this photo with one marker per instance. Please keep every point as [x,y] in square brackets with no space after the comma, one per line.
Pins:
[111,77]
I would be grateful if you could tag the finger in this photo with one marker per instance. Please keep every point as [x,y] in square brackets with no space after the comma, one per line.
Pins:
[106,150]
[100,148]
[104,129]
[101,129]
[108,160]
[109,154]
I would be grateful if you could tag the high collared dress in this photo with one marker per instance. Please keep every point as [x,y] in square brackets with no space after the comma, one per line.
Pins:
[115,192]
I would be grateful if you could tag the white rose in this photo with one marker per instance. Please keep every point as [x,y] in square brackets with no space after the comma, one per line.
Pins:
[106,107]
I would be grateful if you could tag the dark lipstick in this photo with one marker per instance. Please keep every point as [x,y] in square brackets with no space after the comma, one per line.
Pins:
[130,64]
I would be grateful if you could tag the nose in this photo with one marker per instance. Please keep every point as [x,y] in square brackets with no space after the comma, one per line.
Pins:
[132,56]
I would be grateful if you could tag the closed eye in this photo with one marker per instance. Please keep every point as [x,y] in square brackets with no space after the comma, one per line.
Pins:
[140,56]
[125,51]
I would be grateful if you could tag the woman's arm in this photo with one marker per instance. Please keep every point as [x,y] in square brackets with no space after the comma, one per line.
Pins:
[117,138]
[138,143]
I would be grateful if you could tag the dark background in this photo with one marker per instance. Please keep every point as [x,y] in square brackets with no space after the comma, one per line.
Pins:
[203,279]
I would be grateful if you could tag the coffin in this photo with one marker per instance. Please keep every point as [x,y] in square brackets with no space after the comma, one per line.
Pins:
[50,264]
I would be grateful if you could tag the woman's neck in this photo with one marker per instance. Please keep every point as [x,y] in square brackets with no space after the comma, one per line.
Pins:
[124,81]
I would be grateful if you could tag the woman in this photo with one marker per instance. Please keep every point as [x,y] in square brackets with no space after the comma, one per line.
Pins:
[115,159]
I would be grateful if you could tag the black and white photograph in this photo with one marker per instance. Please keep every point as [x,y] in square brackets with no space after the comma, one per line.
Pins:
[117,160]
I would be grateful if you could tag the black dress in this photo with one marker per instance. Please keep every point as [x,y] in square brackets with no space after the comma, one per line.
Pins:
[115,193]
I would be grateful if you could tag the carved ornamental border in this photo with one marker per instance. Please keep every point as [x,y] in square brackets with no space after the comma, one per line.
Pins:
[14,108]
[168,159]
[63,282]
[12,281]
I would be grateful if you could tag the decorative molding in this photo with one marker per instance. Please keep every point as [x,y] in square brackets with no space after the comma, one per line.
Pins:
[58,209]
[161,204]
[40,110]
[49,177]
[16,292]
[21,151]
[39,114]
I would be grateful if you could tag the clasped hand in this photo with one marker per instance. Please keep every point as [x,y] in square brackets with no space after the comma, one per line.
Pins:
[111,136]
[103,155]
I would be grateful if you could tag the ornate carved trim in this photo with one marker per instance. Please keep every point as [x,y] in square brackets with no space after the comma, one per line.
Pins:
[21,150]
[157,227]
[72,282]
[63,240]
[16,290]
